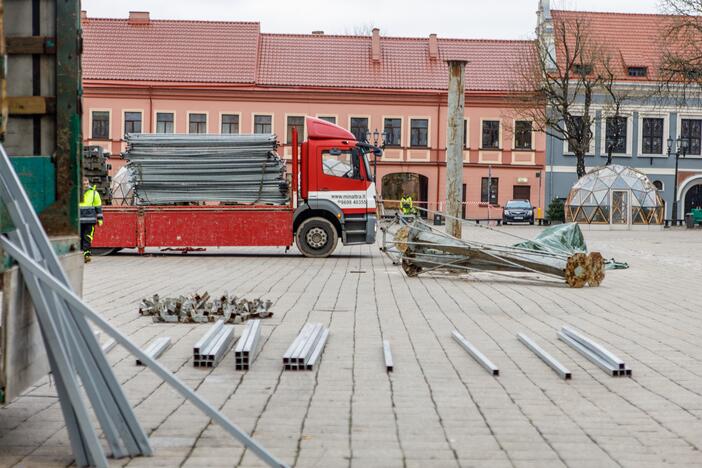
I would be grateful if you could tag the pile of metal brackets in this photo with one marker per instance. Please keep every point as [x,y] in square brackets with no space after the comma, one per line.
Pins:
[199,308]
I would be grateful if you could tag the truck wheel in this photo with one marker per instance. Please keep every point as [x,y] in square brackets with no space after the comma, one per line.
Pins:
[317,238]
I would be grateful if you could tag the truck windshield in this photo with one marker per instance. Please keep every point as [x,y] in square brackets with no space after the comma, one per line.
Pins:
[341,163]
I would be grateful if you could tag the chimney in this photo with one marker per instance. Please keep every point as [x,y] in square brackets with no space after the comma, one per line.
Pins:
[138,17]
[318,33]
[433,47]
[375,45]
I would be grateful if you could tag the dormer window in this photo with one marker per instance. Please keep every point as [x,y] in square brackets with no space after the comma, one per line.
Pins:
[637,72]
[582,69]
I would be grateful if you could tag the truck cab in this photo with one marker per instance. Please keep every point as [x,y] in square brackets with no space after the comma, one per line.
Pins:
[336,192]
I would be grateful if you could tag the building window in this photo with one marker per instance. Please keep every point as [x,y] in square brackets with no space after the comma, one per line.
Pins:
[164,122]
[491,134]
[359,128]
[465,134]
[615,134]
[101,125]
[494,182]
[652,136]
[583,69]
[393,132]
[230,123]
[197,123]
[263,124]
[132,122]
[691,132]
[419,133]
[637,72]
[298,123]
[522,134]
[328,118]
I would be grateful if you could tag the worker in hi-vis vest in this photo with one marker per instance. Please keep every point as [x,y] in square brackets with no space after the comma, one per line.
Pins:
[406,205]
[90,215]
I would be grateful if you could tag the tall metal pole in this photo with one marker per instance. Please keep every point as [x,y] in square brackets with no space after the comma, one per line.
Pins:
[454,146]
[675,189]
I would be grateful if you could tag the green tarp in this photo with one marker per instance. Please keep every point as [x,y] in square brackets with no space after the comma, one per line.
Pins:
[564,239]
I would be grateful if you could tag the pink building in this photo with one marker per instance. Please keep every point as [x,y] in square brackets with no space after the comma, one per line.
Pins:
[143,75]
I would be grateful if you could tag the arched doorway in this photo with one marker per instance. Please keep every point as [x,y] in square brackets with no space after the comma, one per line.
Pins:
[395,186]
[693,198]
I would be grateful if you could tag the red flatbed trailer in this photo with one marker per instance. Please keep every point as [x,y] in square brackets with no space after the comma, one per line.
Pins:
[324,208]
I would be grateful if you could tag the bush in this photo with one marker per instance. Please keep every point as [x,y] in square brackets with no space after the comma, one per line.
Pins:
[556,211]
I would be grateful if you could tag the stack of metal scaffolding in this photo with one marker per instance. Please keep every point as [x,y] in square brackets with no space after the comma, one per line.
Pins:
[187,168]
[248,346]
[214,344]
[594,352]
[305,351]
[75,356]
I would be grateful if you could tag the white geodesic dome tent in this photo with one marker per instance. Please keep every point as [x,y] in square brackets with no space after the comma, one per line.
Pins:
[617,195]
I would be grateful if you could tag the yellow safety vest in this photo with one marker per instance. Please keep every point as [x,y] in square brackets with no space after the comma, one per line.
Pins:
[406,205]
[91,207]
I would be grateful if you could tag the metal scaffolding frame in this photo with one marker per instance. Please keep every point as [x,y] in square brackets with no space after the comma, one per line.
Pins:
[74,353]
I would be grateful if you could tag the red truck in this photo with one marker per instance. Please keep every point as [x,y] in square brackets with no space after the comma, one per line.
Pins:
[334,198]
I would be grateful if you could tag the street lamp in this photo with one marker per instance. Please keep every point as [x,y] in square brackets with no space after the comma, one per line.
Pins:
[680,150]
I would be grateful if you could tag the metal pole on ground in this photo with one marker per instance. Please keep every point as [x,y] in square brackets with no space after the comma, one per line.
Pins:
[454,146]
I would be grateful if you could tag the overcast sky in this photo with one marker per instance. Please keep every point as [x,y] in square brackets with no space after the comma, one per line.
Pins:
[507,19]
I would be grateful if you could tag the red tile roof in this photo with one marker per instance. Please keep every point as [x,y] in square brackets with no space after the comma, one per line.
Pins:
[181,51]
[631,39]
[345,62]
[236,53]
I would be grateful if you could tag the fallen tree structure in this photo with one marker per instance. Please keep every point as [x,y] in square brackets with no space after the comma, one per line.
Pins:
[558,252]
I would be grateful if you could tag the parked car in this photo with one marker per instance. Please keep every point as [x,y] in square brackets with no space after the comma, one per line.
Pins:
[518,211]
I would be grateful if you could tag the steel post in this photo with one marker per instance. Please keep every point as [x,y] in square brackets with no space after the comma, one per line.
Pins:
[388,356]
[476,354]
[550,361]
[454,146]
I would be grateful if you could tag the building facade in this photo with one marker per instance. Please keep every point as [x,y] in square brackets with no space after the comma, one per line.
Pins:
[144,75]
[648,120]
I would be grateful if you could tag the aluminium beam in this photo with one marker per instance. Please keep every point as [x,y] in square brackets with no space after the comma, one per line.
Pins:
[604,353]
[589,355]
[155,348]
[80,307]
[309,345]
[476,354]
[550,361]
[388,356]
[207,337]
[314,357]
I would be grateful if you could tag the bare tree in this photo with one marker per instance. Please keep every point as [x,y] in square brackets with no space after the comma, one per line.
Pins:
[558,83]
[615,99]
[681,62]
[364,29]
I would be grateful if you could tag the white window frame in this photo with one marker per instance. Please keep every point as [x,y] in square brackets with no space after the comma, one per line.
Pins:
[253,120]
[187,121]
[409,131]
[629,135]
[500,145]
[109,124]
[124,117]
[155,121]
[593,142]
[514,135]
[358,116]
[302,137]
[666,134]
[403,134]
[682,117]
[223,113]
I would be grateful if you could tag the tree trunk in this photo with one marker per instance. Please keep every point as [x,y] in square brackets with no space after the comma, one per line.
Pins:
[580,166]
[609,156]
